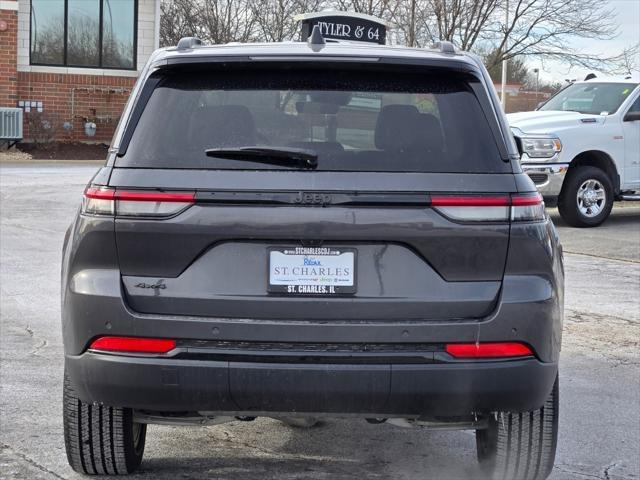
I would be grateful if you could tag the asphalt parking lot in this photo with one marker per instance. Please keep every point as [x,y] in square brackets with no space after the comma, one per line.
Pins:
[600,368]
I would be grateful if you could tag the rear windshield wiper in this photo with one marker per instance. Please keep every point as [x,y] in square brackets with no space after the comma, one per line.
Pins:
[285,156]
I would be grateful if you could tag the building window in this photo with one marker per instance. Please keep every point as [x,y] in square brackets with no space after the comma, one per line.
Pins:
[84,33]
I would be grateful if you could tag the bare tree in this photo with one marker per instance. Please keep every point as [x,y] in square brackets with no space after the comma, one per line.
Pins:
[43,127]
[224,21]
[409,23]
[178,18]
[542,29]
[47,43]
[274,18]
[630,60]
[463,21]
[545,29]
[215,21]
[377,8]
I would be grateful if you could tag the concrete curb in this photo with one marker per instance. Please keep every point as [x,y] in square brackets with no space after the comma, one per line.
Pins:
[33,162]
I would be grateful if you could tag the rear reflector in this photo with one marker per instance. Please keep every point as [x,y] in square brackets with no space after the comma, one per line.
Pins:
[490,208]
[488,350]
[133,345]
[141,203]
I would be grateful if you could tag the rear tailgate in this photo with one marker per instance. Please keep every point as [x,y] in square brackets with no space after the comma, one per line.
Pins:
[411,263]
[386,140]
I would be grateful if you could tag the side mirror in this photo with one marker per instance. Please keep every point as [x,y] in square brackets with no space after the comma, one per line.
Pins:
[539,105]
[632,116]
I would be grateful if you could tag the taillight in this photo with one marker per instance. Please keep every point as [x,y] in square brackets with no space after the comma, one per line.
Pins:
[98,201]
[490,208]
[528,207]
[473,208]
[135,203]
[133,345]
[488,350]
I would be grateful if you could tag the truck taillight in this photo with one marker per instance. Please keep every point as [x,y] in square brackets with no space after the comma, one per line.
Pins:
[527,207]
[135,203]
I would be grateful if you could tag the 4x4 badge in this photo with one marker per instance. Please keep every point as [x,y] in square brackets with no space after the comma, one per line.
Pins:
[151,285]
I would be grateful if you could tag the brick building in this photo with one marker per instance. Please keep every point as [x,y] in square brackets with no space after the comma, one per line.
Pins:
[520,100]
[71,64]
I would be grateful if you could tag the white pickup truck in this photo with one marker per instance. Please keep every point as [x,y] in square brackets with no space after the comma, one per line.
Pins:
[582,148]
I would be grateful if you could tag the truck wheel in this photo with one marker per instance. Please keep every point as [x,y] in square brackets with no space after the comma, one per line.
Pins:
[100,440]
[520,445]
[586,198]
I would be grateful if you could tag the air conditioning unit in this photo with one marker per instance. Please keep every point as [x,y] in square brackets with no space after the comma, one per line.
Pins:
[10,124]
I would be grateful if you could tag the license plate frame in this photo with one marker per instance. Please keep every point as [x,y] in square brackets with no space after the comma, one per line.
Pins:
[309,287]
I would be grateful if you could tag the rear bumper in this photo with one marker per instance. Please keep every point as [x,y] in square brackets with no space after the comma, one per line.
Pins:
[529,310]
[548,178]
[367,390]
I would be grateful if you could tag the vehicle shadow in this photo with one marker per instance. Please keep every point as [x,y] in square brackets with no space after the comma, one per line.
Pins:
[335,449]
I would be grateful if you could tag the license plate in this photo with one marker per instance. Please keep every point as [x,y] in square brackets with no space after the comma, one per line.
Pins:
[312,270]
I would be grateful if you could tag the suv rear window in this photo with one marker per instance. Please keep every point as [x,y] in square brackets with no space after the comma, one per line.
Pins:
[353,120]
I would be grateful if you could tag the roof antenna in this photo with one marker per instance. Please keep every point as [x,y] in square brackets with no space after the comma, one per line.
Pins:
[187,43]
[316,40]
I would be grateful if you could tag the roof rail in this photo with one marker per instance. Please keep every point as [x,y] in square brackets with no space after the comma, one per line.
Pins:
[444,46]
[187,43]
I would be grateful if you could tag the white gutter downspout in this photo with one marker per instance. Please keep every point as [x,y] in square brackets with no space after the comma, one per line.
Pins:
[156,27]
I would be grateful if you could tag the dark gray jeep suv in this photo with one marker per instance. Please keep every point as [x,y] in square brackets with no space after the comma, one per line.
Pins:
[301,231]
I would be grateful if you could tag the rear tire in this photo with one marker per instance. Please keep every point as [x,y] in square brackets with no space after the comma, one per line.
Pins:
[521,446]
[586,199]
[100,440]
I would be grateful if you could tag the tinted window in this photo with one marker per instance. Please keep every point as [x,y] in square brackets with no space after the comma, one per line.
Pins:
[47,31]
[117,34]
[591,97]
[353,121]
[99,33]
[83,33]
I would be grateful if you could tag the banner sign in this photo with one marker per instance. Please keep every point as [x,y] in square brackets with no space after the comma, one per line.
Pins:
[345,26]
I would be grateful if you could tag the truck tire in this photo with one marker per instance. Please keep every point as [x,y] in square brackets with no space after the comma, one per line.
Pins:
[100,440]
[522,445]
[586,198]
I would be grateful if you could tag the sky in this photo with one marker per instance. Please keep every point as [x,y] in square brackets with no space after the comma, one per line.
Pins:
[627,16]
